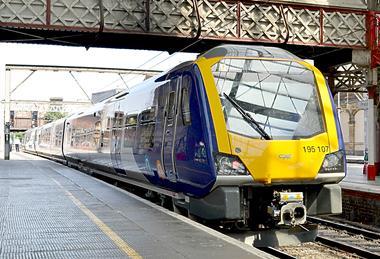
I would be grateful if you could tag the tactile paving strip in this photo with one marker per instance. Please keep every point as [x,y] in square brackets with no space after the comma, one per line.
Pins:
[39,221]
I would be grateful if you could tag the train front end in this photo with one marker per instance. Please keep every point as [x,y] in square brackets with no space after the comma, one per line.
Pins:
[278,135]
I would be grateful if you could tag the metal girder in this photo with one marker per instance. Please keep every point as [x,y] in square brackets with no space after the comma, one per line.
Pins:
[46,106]
[147,72]
[349,78]
[258,21]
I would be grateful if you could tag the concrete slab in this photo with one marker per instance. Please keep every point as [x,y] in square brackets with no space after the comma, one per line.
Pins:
[356,180]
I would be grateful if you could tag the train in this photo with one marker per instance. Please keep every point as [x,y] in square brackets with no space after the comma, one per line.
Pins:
[245,135]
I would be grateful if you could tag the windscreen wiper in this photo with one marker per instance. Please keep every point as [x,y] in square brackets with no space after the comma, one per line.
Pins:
[248,118]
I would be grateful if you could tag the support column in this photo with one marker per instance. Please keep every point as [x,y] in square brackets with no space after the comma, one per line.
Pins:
[374,46]
[351,131]
[7,110]
[7,104]
[372,118]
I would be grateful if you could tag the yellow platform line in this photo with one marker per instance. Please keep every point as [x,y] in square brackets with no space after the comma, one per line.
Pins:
[123,246]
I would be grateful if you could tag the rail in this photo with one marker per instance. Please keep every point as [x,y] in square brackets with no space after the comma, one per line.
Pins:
[276,252]
[351,248]
[347,238]
[346,227]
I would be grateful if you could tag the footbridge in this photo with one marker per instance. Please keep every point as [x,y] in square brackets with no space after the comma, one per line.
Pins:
[193,25]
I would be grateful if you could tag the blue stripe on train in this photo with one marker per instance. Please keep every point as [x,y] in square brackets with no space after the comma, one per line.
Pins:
[338,128]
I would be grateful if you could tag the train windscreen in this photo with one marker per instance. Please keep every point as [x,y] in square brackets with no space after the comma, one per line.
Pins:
[274,98]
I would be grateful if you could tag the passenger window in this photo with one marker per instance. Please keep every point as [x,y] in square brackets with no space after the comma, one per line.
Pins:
[97,131]
[148,115]
[185,102]
[109,123]
[131,120]
[118,119]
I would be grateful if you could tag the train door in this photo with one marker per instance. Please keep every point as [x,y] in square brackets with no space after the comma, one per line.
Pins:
[169,129]
[117,132]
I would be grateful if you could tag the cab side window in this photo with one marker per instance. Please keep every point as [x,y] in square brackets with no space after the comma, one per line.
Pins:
[185,100]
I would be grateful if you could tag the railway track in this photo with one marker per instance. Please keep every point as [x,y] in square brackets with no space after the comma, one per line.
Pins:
[334,240]
[348,238]
[347,227]
[349,246]
[338,240]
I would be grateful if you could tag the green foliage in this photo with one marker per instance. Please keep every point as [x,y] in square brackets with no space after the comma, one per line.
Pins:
[53,116]
[19,135]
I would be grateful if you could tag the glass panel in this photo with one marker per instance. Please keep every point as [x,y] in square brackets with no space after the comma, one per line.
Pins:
[131,120]
[148,115]
[232,50]
[170,107]
[185,101]
[280,95]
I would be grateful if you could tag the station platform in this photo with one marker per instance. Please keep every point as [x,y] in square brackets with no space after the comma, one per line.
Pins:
[48,210]
[355,159]
[356,180]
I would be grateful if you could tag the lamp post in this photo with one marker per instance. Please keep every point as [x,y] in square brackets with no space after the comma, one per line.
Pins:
[7,135]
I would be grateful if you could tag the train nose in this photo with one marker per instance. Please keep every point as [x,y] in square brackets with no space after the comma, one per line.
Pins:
[293,214]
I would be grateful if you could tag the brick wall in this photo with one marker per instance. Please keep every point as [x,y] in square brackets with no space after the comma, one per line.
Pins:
[361,207]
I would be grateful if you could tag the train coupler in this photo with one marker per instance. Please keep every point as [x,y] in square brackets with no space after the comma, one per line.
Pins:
[287,208]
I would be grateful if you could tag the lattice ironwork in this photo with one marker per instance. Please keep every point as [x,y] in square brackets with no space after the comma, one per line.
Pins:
[172,17]
[265,22]
[118,15]
[261,22]
[126,15]
[344,28]
[305,25]
[350,78]
[23,11]
[219,19]
[75,13]
[230,20]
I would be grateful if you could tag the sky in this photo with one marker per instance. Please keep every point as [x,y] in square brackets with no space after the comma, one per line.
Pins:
[43,85]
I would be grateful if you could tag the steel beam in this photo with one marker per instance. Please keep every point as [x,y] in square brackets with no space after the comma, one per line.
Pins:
[83,69]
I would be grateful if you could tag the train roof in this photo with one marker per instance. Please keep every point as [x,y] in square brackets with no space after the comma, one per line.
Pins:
[93,109]
[232,50]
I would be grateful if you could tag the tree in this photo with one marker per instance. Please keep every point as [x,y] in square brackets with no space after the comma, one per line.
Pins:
[19,135]
[53,116]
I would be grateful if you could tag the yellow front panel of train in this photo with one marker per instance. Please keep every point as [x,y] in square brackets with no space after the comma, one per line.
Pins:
[276,94]
[284,160]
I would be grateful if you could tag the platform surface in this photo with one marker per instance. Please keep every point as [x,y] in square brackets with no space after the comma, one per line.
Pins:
[48,210]
[356,180]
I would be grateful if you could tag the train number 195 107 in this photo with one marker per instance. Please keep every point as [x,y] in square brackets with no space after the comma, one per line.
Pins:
[313,149]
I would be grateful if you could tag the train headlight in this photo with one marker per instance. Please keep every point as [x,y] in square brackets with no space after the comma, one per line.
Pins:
[229,165]
[333,163]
